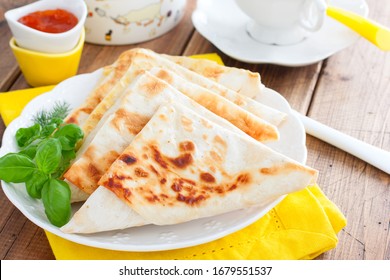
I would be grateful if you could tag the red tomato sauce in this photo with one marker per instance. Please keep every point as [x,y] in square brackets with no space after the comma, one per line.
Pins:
[50,21]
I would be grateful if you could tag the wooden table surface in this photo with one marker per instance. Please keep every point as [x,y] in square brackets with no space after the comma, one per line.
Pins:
[350,91]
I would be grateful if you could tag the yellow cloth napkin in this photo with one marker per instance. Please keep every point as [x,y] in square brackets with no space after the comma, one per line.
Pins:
[12,103]
[304,225]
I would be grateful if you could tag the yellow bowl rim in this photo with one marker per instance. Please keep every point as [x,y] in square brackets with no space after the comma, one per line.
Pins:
[13,45]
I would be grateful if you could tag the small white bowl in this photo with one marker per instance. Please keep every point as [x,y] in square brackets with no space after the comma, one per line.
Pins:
[39,41]
[119,22]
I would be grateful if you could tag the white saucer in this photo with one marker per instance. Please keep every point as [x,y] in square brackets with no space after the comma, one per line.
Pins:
[223,24]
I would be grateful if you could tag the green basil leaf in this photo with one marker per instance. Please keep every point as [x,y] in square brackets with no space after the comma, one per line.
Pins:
[66,144]
[56,121]
[16,168]
[67,157]
[25,136]
[47,130]
[56,199]
[48,155]
[29,151]
[71,131]
[35,184]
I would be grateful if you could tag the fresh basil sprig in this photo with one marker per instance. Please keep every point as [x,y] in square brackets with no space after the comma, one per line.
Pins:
[46,150]
[16,168]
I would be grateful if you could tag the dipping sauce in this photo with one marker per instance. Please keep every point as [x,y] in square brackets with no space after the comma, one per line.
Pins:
[50,21]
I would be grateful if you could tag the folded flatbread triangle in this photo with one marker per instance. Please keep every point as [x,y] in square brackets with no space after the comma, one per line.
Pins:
[243,81]
[176,170]
[239,80]
[111,75]
[198,92]
[130,114]
[144,60]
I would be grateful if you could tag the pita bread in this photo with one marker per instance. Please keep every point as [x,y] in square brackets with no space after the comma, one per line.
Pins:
[144,60]
[77,194]
[201,94]
[111,75]
[132,112]
[171,174]
[106,212]
[115,93]
[239,80]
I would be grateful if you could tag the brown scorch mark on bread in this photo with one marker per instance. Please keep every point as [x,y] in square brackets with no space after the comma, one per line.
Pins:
[182,161]
[190,199]
[158,157]
[131,121]
[163,75]
[244,178]
[128,159]
[186,146]
[284,168]
[139,172]
[207,177]
[154,87]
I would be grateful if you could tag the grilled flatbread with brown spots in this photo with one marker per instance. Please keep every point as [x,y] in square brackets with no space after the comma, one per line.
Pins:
[103,211]
[134,110]
[240,80]
[201,94]
[181,167]
[109,100]
[111,75]
[148,60]
[175,171]
[145,60]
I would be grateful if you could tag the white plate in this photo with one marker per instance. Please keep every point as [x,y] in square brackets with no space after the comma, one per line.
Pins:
[150,237]
[223,24]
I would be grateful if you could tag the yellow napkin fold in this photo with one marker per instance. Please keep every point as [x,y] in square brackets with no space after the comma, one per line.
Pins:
[12,103]
[304,225]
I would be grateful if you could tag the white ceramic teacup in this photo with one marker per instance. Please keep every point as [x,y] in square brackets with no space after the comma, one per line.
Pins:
[283,22]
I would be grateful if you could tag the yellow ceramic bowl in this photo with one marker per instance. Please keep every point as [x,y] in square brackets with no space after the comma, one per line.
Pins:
[41,69]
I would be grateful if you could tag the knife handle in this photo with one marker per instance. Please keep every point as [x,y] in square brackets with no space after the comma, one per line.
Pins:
[374,32]
[366,152]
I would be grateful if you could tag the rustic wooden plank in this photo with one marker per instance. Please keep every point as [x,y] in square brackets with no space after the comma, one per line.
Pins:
[31,244]
[7,235]
[8,68]
[9,71]
[352,96]
[20,238]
